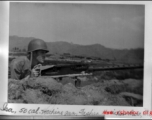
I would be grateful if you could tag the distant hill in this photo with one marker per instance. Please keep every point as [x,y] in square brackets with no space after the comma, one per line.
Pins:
[20,42]
[95,50]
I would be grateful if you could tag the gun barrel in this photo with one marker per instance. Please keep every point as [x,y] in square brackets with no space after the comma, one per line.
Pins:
[107,68]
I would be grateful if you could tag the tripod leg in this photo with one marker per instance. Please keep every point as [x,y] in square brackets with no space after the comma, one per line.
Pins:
[77,82]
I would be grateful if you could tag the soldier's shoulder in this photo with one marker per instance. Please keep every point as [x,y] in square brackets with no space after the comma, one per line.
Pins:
[24,58]
[21,59]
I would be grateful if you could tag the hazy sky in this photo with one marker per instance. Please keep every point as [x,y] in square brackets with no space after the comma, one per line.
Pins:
[114,26]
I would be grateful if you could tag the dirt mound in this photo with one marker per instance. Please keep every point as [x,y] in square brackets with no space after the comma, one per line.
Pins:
[114,100]
[43,82]
[128,85]
[93,94]
[45,90]
[69,95]
[98,96]
[15,90]
[34,97]
[134,86]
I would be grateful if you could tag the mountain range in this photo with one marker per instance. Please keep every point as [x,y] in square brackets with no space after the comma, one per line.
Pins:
[94,50]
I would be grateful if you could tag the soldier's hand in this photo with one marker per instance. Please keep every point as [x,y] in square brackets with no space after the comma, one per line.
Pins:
[35,72]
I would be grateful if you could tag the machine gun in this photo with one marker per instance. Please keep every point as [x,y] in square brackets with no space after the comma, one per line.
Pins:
[65,70]
[78,70]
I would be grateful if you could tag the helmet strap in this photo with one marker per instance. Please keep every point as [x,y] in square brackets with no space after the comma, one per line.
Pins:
[31,60]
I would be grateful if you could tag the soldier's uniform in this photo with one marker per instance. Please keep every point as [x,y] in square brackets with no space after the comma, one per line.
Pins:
[20,68]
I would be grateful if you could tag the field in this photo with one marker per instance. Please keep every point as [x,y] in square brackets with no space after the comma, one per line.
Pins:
[110,88]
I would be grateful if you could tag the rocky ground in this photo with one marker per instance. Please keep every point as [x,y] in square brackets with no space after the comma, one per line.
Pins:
[101,91]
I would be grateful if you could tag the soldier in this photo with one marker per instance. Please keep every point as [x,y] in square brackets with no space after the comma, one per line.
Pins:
[23,67]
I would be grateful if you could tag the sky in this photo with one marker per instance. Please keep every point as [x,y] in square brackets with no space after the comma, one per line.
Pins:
[111,25]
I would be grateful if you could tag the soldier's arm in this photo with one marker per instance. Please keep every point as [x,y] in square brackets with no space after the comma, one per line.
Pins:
[15,70]
[19,69]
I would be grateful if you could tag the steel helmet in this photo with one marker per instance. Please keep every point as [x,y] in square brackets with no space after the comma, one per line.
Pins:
[37,44]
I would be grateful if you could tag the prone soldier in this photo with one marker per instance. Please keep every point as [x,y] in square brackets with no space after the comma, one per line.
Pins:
[24,67]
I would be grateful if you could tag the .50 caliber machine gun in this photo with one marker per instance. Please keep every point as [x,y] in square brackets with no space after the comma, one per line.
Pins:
[79,70]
